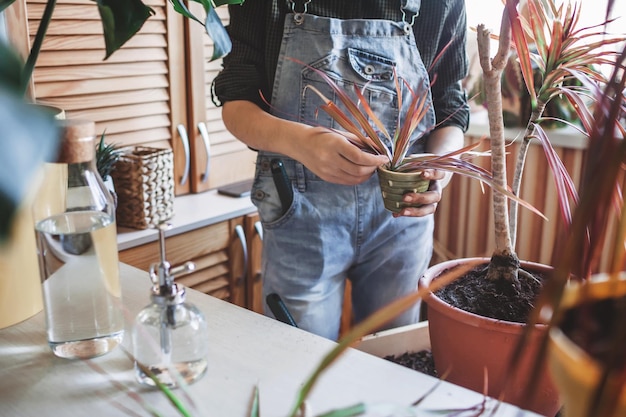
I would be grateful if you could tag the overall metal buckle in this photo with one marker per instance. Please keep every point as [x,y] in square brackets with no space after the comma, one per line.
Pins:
[405,19]
[298,16]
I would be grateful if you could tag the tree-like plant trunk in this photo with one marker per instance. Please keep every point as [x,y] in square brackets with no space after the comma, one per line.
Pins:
[504,262]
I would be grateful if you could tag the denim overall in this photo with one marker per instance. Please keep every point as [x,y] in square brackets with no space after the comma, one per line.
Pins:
[332,232]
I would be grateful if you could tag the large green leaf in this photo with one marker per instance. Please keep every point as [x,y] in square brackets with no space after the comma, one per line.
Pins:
[5,3]
[121,20]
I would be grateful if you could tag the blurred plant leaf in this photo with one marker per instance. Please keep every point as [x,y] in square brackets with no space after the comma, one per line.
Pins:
[254,407]
[121,20]
[31,133]
[5,3]
[221,41]
[11,69]
[351,411]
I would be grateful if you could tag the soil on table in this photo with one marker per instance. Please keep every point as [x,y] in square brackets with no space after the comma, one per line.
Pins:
[421,361]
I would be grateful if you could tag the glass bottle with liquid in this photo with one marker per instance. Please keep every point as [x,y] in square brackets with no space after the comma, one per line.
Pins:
[170,335]
[74,217]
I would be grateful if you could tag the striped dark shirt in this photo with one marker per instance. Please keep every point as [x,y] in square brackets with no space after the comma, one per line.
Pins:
[256,31]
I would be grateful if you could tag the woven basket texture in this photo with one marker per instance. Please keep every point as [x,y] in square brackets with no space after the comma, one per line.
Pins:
[144,182]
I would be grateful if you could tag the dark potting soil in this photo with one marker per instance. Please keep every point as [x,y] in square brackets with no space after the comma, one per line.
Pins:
[421,361]
[497,299]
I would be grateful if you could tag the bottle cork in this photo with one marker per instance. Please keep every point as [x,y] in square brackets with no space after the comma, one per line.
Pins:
[77,141]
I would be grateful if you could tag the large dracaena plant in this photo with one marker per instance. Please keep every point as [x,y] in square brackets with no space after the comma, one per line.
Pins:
[564,52]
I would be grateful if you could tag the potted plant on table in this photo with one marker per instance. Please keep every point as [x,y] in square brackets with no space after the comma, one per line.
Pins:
[403,172]
[563,54]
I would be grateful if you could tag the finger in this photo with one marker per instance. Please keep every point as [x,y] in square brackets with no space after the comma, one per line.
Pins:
[433,174]
[359,157]
[420,211]
[427,197]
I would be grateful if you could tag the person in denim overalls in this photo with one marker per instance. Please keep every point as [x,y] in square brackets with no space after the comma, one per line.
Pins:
[336,226]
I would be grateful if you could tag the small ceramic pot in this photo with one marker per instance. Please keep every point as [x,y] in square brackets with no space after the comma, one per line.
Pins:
[394,185]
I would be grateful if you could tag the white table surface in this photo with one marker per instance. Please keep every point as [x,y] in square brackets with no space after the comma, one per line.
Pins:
[246,349]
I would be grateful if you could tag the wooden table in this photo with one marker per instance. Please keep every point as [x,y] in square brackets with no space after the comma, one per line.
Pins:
[246,350]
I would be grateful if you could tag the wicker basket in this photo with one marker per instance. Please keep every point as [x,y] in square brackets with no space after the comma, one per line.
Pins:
[144,182]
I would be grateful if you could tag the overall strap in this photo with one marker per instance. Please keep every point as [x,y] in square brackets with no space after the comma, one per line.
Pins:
[410,10]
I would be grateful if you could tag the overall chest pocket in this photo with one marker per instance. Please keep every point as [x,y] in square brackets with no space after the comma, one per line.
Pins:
[372,74]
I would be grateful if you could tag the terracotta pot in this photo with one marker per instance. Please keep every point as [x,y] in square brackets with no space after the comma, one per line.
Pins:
[467,344]
[576,373]
[393,186]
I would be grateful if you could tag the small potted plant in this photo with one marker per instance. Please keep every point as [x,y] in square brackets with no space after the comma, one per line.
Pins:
[106,157]
[402,173]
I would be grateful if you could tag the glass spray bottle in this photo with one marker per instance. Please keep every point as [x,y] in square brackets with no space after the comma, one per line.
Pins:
[170,340]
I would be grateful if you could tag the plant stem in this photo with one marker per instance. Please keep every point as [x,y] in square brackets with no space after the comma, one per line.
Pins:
[519,168]
[37,43]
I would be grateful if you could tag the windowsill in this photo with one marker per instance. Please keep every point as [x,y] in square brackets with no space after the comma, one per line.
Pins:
[566,137]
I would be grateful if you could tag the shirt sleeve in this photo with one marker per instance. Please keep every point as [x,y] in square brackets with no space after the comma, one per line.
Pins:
[243,76]
[447,24]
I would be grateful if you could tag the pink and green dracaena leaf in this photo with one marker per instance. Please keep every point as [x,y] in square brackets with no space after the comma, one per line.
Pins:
[369,139]
[563,182]
[521,45]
